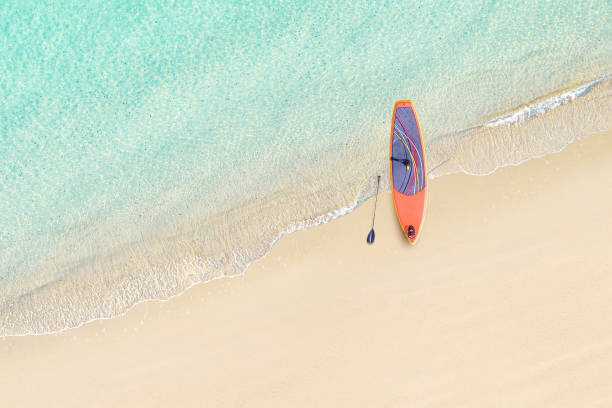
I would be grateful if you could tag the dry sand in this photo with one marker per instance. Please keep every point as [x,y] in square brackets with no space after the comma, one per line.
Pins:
[506,301]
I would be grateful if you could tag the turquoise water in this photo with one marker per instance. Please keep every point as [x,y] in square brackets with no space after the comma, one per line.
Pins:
[148,147]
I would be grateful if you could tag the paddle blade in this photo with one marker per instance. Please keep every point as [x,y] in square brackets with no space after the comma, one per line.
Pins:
[371,236]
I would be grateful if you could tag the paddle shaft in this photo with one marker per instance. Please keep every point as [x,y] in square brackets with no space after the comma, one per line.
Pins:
[375,201]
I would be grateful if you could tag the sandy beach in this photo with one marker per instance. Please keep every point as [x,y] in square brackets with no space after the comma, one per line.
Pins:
[504,301]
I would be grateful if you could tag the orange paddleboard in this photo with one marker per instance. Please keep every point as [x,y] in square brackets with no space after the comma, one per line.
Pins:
[408,169]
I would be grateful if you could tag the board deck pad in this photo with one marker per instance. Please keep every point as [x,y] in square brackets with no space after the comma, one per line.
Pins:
[408,169]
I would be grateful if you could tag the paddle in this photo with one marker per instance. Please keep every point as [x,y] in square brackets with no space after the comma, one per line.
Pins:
[371,235]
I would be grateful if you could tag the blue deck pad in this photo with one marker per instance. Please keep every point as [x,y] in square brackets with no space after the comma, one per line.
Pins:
[410,179]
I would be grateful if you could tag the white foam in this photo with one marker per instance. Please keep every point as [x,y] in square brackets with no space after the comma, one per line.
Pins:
[538,108]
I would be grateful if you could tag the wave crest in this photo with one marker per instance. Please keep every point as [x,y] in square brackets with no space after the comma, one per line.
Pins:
[533,130]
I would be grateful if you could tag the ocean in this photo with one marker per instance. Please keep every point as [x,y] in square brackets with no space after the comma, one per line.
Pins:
[149,146]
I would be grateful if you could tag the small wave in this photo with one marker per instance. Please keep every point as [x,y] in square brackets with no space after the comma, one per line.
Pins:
[541,107]
[533,130]
[38,327]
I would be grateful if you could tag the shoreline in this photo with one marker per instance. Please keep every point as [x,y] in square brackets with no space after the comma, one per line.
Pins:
[187,253]
[326,319]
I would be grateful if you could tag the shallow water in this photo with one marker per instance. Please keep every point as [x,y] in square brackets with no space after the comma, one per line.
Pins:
[146,148]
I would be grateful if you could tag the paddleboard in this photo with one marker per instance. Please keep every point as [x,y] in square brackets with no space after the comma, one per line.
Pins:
[408,170]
